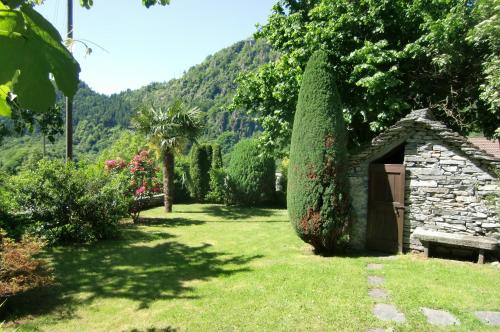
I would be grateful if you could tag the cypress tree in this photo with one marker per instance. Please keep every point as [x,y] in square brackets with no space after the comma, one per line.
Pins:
[317,197]
[217,193]
[216,156]
[199,170]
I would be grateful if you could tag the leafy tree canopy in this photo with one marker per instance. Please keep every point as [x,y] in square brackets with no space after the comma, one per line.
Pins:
[389,57]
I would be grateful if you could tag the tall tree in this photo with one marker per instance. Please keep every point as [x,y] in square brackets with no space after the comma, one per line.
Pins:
[389,57]
[168,130]
[317,187]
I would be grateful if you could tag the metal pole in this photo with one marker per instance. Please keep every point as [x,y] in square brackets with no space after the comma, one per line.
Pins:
[69,101]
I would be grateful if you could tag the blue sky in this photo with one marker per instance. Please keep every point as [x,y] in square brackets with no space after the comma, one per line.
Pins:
[156,44]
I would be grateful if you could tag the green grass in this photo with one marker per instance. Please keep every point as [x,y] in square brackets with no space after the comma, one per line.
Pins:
[210,268]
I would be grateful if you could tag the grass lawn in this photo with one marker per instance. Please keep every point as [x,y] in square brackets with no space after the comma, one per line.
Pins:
[210,268]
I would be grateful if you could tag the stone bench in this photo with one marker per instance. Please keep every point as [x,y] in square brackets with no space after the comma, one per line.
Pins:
[481,243]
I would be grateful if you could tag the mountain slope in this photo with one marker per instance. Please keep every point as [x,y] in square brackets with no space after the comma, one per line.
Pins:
[99,119]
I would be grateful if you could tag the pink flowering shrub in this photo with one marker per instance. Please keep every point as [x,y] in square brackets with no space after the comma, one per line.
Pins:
[142,180]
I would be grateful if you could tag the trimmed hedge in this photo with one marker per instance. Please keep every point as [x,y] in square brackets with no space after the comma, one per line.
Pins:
[317,188]
[251,176]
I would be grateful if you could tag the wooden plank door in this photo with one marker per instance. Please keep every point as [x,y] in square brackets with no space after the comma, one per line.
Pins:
[386,207]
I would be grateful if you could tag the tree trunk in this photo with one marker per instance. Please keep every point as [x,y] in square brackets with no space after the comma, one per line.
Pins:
[168,180]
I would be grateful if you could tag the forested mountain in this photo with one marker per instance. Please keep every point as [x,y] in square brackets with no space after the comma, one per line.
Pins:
[99,119]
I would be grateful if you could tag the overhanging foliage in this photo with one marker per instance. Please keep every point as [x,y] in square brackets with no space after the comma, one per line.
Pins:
[389,57]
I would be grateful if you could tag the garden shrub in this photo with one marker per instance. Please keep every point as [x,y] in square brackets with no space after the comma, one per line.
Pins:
[317,196]
[218,189]
[20,270]
[251,176]
[141,177]
[66,202]
[10,224]
[201,158]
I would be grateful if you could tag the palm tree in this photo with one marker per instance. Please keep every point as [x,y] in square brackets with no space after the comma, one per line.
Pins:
[168,130]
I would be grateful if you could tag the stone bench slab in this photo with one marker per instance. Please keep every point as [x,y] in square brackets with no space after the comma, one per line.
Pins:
[479,242]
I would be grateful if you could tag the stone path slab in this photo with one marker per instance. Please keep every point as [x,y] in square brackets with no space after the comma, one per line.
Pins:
[378,294]
[439,317]
[376,330]
[375,280]
[374,266]
[489,317]
[388,312]
[389,258]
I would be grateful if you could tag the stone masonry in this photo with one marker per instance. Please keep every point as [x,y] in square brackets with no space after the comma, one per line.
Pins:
[451,185]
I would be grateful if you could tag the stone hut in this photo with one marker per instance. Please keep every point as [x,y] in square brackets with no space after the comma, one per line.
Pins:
[419,174]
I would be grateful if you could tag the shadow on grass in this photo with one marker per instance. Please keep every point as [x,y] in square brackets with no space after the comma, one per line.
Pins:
[235,213]
[169,222]
[154,329]
[125,269]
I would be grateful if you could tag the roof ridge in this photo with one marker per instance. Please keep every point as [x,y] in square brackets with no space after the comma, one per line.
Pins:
[425,117]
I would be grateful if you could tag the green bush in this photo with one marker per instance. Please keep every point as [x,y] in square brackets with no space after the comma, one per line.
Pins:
[10,224]
[251,176]
[201,158]
[65,202]
[317,197]
[218,190]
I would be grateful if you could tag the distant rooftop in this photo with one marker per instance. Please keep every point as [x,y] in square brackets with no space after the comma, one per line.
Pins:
[490,146]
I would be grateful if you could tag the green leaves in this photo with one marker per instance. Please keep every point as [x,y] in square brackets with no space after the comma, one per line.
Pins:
[148,3]
[31,51]
[168,129]
[388,57]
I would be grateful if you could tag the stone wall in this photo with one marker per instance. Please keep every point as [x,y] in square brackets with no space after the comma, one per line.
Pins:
[446,191]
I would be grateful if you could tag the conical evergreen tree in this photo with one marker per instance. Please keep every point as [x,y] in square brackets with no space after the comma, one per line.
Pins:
[317,188]
[201,160]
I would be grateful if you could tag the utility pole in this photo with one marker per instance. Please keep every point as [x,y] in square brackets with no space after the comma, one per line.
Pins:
[69,101]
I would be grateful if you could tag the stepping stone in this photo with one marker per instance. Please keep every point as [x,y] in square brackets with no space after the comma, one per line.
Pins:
[388,312]
[374,266]
[376,330]
[489,317]
[378,294]
[389,258]
[439,317]
[375,280]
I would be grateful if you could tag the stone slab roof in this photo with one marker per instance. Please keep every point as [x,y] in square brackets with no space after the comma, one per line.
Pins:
[490,146]
[423,118]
